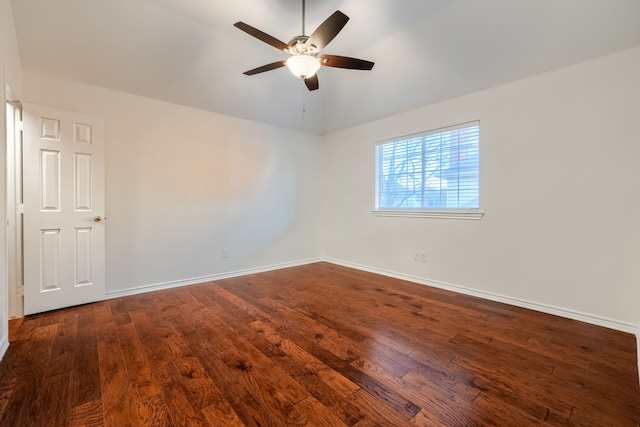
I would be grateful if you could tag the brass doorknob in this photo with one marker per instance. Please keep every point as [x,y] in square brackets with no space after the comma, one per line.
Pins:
[97,218]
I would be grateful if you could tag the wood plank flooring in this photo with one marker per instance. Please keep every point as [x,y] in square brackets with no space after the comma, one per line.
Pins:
[316,345]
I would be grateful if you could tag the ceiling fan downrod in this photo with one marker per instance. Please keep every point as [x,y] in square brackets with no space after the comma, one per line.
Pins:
[303,9]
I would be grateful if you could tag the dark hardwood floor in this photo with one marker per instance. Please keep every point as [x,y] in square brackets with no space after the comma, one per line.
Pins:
[317,345]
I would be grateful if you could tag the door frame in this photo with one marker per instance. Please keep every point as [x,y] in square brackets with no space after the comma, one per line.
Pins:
[14,209]
[13,205]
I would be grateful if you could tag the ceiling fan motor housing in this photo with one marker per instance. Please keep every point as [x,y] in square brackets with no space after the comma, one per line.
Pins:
[298,46]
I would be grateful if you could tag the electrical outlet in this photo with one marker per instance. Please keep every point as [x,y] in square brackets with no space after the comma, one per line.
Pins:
[423,257]
[416,256]
[225,252]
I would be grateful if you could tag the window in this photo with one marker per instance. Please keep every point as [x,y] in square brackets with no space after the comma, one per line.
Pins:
[435,171]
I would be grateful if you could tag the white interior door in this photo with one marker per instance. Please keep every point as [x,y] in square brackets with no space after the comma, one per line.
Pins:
[64,243]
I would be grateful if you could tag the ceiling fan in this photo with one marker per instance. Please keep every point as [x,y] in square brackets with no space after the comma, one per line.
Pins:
[305,58]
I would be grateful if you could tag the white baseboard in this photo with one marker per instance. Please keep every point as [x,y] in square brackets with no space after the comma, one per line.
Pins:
[202,279]
[4,346]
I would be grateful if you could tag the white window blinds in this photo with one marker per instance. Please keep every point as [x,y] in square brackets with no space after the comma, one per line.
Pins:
[437,169]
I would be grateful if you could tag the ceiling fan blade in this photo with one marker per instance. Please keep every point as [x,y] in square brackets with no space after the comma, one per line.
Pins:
[260,35]
[345,62]
[328,30]
[264,68]
[312,82]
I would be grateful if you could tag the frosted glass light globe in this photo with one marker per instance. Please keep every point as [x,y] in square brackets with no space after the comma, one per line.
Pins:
[303,66]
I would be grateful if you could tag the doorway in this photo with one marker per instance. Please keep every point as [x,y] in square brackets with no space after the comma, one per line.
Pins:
[15,209]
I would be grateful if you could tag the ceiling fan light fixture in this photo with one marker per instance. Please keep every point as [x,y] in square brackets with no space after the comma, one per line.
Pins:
[303,66]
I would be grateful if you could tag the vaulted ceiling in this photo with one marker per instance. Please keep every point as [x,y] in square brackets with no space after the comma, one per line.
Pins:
[188,51]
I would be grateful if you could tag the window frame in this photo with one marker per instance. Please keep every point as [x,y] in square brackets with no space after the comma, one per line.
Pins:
[424,212]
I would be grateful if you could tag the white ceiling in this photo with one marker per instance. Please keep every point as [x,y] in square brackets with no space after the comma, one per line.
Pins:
[188,52]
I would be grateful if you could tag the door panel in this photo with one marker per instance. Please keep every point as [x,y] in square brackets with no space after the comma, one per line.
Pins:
[64,239]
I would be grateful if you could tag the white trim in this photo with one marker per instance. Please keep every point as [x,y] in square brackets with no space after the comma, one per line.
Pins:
[4,346]
[203,279]
[544,308]
[421,213]
[5,92]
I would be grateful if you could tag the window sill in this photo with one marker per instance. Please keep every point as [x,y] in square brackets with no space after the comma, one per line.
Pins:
[473,214]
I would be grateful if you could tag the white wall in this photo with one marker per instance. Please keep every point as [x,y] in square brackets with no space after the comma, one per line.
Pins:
[9,55]
[183,183]
[9,74]
[560,188]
